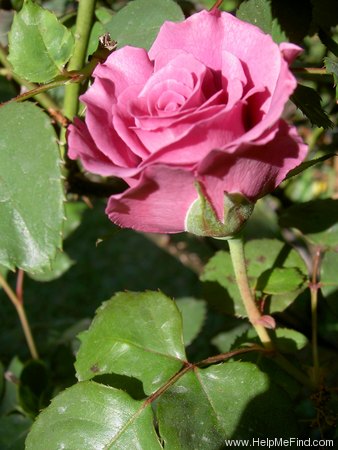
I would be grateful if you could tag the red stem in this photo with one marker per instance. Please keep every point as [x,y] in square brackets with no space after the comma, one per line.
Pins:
[19,285]
[216,5]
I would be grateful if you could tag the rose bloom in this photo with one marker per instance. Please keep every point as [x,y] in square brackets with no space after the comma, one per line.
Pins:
[203,105]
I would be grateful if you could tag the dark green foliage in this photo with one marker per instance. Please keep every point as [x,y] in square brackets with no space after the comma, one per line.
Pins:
[170,361]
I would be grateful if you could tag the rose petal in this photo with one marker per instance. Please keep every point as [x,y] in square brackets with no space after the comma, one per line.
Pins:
[233,78]
[192,137]
[253,170]
[123,121]
[81,145]
[183,74]
[262,58]
[157,204]
[128,66]
[125,67]
[290,51]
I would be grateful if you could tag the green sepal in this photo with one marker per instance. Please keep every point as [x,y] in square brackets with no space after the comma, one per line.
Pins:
[201,218]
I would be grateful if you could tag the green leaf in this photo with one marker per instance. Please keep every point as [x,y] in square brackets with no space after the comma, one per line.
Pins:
[13,431]
[103,14]
[31,194]
[60,264]
[309,102]
[138,23]
[280,280]
[332,67]
[290,341]
[39,45]
[232,400]
[263,222]
[34,389]
[6,19]
[3,272]
[317,220]
[259,13]
[224,341]
[201,219]
[193,314]
[96,31]
[328,278]
[92,416]
[10,399]
[134,334]
[261,255]
[306,164]
[73,217]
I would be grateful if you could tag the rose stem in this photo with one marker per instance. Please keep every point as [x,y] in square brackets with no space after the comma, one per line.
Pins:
[83,26]
[82,31]
[310,70]
[314,322]
[238,261]
[22,316]
[44,99]
[19,285]
[216,5]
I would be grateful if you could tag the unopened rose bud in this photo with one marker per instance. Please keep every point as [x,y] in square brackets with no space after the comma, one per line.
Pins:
[201,218]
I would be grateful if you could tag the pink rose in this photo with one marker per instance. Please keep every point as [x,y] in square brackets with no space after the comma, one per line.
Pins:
[204,104]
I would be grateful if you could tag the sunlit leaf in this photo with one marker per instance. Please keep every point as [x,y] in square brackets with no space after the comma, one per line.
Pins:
[258,12]
[290,341]
[138,23]
[232,400]
[39,45]
[280,280]
[141,333]
[262,255]
[92,416]
[31,194]
[193,314]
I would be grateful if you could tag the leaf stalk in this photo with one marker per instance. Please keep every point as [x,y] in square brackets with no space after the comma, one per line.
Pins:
[18,305]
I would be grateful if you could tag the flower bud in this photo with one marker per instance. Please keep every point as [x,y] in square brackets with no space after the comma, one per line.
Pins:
[202,220]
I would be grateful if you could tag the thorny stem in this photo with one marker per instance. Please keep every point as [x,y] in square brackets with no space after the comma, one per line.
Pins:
[82,31]
[83,26]
[238,260]
[314,322]
[22,316]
